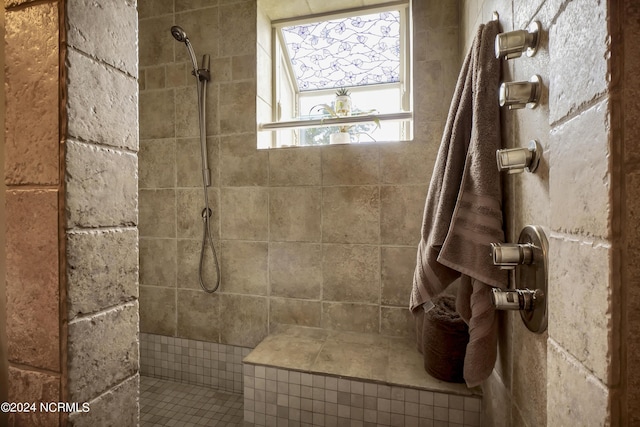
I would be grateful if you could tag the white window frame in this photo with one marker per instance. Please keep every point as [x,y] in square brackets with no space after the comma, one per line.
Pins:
[283,74]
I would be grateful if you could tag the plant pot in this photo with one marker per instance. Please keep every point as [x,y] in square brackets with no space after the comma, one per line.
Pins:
[343,105]
[340,138]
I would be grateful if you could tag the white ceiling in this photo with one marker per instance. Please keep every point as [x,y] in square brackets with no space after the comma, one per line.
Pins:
[279,9]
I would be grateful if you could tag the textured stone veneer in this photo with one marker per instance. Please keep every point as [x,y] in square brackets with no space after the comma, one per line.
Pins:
[101,210]
[72,245]
[31,175]
[571,374]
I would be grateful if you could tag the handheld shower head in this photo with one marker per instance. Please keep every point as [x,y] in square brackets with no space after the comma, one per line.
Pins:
[179,34]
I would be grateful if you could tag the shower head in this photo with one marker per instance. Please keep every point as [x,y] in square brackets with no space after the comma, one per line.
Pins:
[179,34]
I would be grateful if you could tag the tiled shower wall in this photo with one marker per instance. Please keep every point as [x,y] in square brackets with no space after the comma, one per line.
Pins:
[315,236]
[71,208]
[576,195]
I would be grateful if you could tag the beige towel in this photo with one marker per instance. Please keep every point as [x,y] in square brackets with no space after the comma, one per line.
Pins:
[463,210]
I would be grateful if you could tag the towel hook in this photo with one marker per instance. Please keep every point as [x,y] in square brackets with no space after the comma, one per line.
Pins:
[496,15]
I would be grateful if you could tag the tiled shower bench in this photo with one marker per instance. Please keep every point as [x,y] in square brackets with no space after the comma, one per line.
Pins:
[300,376]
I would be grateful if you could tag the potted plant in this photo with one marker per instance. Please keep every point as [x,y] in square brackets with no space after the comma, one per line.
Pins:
[341,108]
[343,102]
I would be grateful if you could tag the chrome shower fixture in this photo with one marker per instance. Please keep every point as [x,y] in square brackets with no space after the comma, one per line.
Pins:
[514,43]
[516,95]
[203,76]
[201,73]
[516,160]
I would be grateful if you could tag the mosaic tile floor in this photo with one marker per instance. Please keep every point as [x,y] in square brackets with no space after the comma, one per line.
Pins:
[168,403]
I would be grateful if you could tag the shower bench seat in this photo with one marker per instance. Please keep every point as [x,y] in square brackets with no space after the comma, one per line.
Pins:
[313,377]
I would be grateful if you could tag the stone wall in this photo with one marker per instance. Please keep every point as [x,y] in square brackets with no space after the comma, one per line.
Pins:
[71,209]
[33,194]
[100,209]
[571,374]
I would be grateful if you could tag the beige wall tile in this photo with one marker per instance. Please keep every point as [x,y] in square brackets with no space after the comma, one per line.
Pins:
[182,5]
[190,204]
[294,214]
[243,320]
[350,165]
[189,162]
[401,212]
[198,315]
[396,272]
[157,163]
[294,312]
[32,141]
[151,8]
[201,25]
[157,213]
[294,166]
[176,75]
[237,107]
[404,163]
[351,214]
[189,263]
[186,102]
[238,24]
[158,310]
[350,317]
[244,267]
[243,67]
[241,163]
[351,273]
[32,274]
[157,114]
[221,70]
[155,78]
[155,43]
[244,213]
[295,270]
[158,262]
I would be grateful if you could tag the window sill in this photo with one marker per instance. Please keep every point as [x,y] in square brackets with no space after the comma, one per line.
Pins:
[335,121]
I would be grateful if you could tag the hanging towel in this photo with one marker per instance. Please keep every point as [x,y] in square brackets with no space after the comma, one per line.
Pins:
[463,210]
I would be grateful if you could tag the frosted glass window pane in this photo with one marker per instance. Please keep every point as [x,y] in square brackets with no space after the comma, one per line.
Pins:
[354,51]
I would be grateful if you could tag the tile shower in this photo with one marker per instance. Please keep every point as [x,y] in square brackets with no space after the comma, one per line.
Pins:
[591,376]
[320,237]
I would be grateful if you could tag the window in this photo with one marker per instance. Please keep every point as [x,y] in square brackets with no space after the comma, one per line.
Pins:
[365,52]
